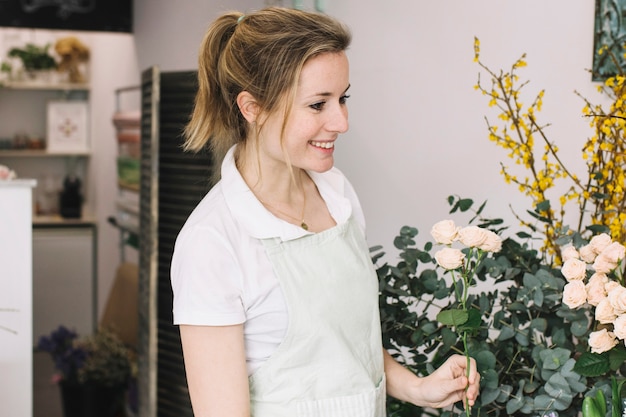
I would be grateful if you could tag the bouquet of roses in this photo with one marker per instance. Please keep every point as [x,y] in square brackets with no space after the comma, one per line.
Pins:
[594,275]
[462,264]
[595,280]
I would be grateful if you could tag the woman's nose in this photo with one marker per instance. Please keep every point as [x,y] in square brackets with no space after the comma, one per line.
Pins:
[338,121]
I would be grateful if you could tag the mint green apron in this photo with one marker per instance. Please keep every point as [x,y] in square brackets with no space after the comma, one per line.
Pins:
[330,363]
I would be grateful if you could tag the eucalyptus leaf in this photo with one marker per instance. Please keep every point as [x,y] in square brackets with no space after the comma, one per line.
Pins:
[506,333]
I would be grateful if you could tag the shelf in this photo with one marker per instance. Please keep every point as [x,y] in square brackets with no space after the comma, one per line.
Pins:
[38,85]
[57,221]
[41,153]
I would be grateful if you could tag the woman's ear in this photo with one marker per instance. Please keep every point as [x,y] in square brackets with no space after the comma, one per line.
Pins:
[248,106]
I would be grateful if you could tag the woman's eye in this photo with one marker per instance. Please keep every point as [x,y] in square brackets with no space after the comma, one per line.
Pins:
[318,106]
[343,99]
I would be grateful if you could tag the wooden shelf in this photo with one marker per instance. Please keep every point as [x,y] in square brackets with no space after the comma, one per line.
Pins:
[37,153]
[39,85]
[57,220]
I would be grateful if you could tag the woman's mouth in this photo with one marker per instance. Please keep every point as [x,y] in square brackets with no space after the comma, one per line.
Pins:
[323,145]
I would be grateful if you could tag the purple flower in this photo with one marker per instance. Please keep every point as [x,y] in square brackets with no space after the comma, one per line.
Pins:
[60,345]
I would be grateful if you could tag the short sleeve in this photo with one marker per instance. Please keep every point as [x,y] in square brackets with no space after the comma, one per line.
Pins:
[206,279]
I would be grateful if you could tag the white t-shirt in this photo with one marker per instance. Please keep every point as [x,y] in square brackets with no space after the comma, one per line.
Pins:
[220,273]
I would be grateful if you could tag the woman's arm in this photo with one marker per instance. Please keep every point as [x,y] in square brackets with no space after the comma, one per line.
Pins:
[447,385]
[215,363]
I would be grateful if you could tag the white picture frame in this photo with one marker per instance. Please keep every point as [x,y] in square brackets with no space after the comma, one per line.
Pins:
[67,126]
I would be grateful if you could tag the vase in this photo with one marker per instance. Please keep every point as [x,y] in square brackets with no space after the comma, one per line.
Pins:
[91,400]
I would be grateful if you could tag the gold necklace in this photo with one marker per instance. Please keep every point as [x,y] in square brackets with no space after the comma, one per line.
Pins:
[301,220]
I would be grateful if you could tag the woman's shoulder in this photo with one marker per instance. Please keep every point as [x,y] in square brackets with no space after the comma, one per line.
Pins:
[210,218]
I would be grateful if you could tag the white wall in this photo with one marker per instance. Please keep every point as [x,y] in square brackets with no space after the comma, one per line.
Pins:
[417,125]
[418,132]
[417,129]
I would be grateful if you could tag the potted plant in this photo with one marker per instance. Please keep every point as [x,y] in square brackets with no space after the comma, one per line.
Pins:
[35,59]
[93,372]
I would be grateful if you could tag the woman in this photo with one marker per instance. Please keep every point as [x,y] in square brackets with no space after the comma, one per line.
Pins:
[274,291]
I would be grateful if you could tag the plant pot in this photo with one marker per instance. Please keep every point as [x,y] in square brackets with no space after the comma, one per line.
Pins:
[91,400]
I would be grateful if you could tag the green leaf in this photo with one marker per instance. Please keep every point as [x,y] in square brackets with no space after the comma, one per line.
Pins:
[617,357]
[554,359]
[506,333]
[514,404]
[558,388]
[543,206]
[592,364]
[539,324]
[465,204]
[453,317]
[579,327]
[485,359]
[522,337]
[473,321]
[448,337]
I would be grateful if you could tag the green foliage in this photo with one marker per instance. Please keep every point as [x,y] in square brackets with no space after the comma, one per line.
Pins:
[108,361]
[524,339]
[34,57]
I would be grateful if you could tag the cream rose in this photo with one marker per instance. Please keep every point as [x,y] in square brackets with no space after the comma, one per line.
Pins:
[602,341]
[614,252]
[449,258]
[617,298]
[444,232]
[605,313]
[493,242]
[587,254]
[603,264]
[599,242]
[619,327]
[609,258]
[569,252]
[608,287]
[574,294]
[574,269]
[472,236]
[596,291]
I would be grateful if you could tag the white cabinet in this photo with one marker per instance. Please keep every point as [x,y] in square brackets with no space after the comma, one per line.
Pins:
[64,288]
[16,328]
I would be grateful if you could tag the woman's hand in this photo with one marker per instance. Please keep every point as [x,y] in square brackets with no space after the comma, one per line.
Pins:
[447,385]
[450,383]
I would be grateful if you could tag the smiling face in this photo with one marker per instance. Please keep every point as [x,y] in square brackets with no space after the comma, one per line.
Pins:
[317,116]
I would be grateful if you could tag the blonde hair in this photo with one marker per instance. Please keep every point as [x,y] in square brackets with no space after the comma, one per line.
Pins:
[262,53]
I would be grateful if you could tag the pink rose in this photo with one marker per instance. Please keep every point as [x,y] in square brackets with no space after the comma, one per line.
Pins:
[605,313]
[602,341]
[587,254]
[449,258]
[609,258]
[472,236]
[574,269]
[569,252]
[619,327]
[608,287]
[617,298]
[596,288]
[493,242]
[574,294]
[444,232]
[599,242]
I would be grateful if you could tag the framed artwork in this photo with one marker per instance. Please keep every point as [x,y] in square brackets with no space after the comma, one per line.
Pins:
[67,126]
[609,33]
[90,15]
